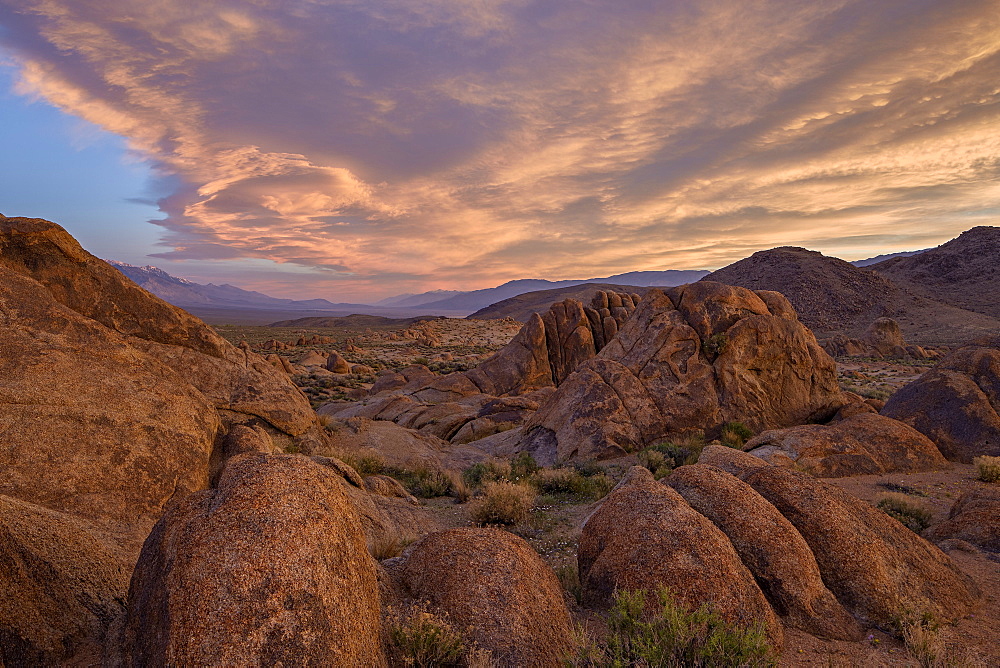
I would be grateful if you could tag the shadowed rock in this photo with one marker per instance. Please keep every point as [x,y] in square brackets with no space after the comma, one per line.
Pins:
[62,586]
[274,557]
[956,403]
[864,443]
[496,587]
[975,518]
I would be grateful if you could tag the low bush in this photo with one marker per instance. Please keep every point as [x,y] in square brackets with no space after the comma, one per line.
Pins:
[422,639]
[912,516]
[658,463]
[683,450]
[570,482]
[503,502]
[522,466]
[666,634]
[735,434]
[988,468]
[479,474]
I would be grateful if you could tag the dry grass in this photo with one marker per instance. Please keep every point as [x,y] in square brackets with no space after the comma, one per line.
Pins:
[503,503]
[988,468]
[912,515]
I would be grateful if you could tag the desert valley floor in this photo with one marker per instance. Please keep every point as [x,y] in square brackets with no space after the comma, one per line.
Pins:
[706,474]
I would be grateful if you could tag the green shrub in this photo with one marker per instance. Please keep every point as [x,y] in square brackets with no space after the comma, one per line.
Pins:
[988,467]
[665,634]
[502,502]
[479,474]
[422,639]
[714,345]
[523,465]
[912,516]
[682,450]
[571,482]
[735,434]
[423,482]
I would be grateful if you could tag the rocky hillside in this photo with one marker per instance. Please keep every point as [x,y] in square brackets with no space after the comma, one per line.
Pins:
[964,272]
[833,297]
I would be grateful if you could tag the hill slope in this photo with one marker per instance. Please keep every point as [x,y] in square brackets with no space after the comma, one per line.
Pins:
[964,272]
[833,296]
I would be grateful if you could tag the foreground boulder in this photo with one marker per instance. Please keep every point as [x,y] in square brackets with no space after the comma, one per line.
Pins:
[496,587]
[694,358]
[645,536]
[768,544]
[270,567]
[62,586]
[114,402]
[956,403]
[864,443]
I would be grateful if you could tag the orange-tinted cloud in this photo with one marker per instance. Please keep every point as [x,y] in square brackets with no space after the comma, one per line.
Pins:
[434,143]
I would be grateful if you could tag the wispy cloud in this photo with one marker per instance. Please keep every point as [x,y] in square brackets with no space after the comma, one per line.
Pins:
[437,143]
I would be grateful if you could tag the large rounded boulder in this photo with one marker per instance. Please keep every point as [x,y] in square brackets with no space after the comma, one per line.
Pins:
[495,586]
[877,568]
[768,544]
[271,567]
[645,536]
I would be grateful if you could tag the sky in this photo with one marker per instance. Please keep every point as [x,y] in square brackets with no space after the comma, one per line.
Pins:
[356,149]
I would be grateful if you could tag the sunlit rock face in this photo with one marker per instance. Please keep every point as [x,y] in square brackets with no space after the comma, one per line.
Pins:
[690,359]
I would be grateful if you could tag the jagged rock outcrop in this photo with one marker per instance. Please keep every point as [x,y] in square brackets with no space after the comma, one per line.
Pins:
[768,544]
[274,557]
[864,443]
[956,403]
[112,402]
[694,358]
[646,536]
[540,356]
[493,585]
[974,518]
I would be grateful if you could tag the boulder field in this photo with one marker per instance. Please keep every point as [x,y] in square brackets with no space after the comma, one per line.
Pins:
[151,512]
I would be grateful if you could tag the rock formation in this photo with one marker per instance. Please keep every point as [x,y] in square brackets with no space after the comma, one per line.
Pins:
[543,353]
[767,543]
[861,444]
[876,567]
[694,358]
[956,403]
[974,518]
[883,338]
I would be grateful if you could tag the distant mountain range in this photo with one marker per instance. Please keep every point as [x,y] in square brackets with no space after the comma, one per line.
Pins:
[222,303]
[230,304]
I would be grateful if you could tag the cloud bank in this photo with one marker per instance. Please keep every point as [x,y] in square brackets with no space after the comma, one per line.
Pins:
[412,144]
